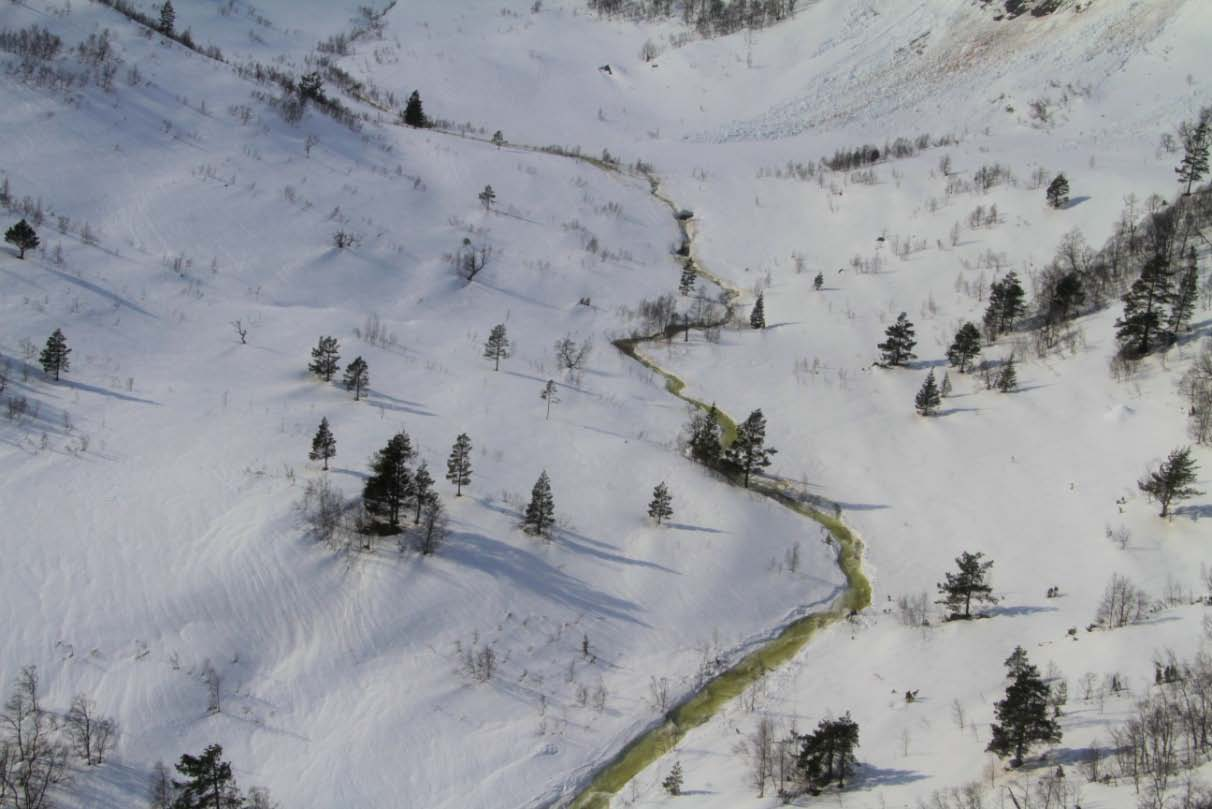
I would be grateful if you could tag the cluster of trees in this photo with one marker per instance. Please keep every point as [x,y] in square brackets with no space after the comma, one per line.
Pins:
[36,745]
[708,17]
[204,782]
[746,455]
[1159,304]
[326,359]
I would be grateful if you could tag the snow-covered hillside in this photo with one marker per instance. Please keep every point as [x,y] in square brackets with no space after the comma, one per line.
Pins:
[151,497]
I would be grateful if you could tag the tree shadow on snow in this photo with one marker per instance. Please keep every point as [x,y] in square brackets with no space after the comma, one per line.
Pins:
[113,298]
[387,403]
[530,571]
[876,777]
[994,612]
[111,786]
[1073,202]
[951,410]
[1194,512]
[925,365]
[681,526]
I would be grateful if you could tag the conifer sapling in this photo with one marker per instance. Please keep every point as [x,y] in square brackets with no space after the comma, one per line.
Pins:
[323,445]
[458,466]
[661,507]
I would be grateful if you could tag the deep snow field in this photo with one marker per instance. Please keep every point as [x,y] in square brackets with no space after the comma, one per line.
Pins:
[149,498]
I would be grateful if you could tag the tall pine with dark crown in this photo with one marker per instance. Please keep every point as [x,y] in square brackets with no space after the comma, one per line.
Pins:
[54,357]
[748,452]
[1172,481]
[1007,303]
[422,489]
[168,18]
[1058,191]
[661,506]
[969,584]
[207,782]
[827,754]
[704,440]
[898,348]
[1195,155]
[323,445]
[1182,307]
[1023,715]
[757,318]
[965,347]
[390,483]
[458,465]
[497,347]
[928,397]
[22,236]
[357,377]
[540,512]
[325,358]
[414,114]
[1141,322]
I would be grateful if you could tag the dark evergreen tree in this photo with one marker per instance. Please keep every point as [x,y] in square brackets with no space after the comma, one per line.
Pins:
[1058,191]
[1141,322]
[1172,481]
[704,443]
[965,347]
[487,197]
[390,484]
[498,139]
[1194,165]
[819,281]
[748,452]
[1007,377]
[688,278]
[1023,715]
[540,512]
[757,318]
[1068,294]
[827,754]
[967,585]
[550,396]
[422,489]
[898,348]
[498,347]
[207,782]
[22,236]
[1007,303]
[673,782]
[325,358]
[661,506]
[458,466]
[357,377]
[1182,305]
[311,87]
[414,114]
[928,397]
[1017,662]
[54,357]
[168,18]
[323,445]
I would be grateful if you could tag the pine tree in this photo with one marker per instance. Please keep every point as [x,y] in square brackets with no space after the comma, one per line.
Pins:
[540,512]
[757,318]
[1182,307]
[487,197]
[827,754]
[390,483]
[323,446]
[898,348]
[1058,191]
[704,441]
[819,281]
[1143,303]
[748,452]
[325,358]
[945,388]
[497,347]
[1007,377]
[311,87]
[1194,165]
[661,506]
[54,357]
[1017,662]
[1068,294]
[968,585]
[688,278]
[168,18]
[928,398]
[673,782]
[414,114]
[208,782]
[498,139]
[458,466]
[550,396]
[422,489]
[965,348]
[22,236]
[1023,715]
[357,377]
[1007,303]
[1172,481]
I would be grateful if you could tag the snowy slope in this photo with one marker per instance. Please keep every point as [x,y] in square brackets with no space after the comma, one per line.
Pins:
[172,537]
